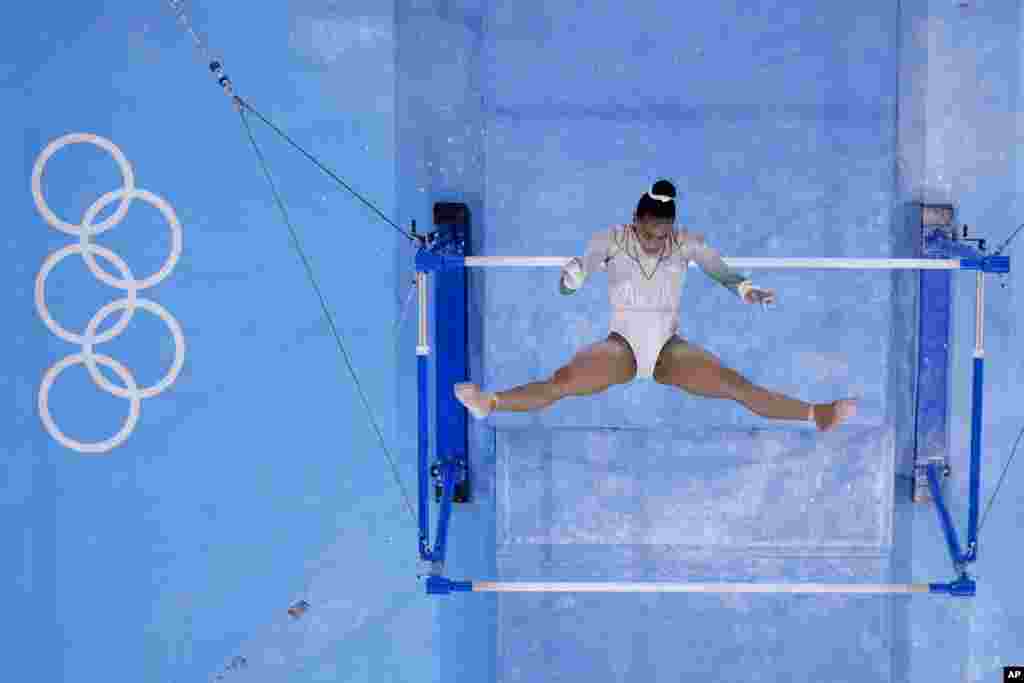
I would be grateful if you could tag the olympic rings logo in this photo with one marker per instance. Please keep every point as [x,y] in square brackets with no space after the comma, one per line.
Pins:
[89,339]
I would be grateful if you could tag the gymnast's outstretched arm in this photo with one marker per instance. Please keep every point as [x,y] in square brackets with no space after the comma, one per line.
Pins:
[710,261]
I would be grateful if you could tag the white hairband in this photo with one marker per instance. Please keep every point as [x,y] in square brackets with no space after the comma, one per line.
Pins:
[660,197]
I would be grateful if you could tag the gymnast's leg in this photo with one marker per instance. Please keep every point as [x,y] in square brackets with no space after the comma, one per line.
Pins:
[592,370]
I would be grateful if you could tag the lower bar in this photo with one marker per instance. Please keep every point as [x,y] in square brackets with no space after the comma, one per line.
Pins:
[439,585]
[492,587]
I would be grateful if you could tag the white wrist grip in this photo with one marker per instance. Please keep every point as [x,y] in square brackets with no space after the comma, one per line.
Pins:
[572,274]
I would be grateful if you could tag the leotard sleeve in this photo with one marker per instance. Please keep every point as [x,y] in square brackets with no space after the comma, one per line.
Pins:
[595,259]
[710,261]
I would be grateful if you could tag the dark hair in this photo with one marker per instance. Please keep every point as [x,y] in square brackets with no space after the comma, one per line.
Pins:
[655,208]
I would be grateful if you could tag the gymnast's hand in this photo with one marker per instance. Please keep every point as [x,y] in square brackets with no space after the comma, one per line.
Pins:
[572,274]
[753,294]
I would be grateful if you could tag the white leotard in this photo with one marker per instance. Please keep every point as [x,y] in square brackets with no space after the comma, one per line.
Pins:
[644,291]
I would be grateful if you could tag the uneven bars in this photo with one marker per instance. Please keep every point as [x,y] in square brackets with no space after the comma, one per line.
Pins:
[811,263]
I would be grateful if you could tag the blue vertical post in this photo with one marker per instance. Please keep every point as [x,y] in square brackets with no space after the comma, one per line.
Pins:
[975,492]
[450,322]
[424,448]
[444,260]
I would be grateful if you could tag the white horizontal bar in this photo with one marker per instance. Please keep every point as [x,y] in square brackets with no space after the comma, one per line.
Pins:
[498,587]
[810,263]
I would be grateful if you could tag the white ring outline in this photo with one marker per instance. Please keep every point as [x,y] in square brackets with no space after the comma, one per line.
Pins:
[99,447]
[50,263]
[87,249]
[37,177]
[87,232]
[90,358]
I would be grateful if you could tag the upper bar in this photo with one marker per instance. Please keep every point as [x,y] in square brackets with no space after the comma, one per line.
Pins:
[816,263]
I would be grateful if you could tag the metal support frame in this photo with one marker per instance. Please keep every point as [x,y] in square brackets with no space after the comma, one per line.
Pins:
[444,253]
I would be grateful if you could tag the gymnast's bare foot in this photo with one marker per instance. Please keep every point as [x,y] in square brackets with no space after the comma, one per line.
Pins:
[830,415]
[479,403]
